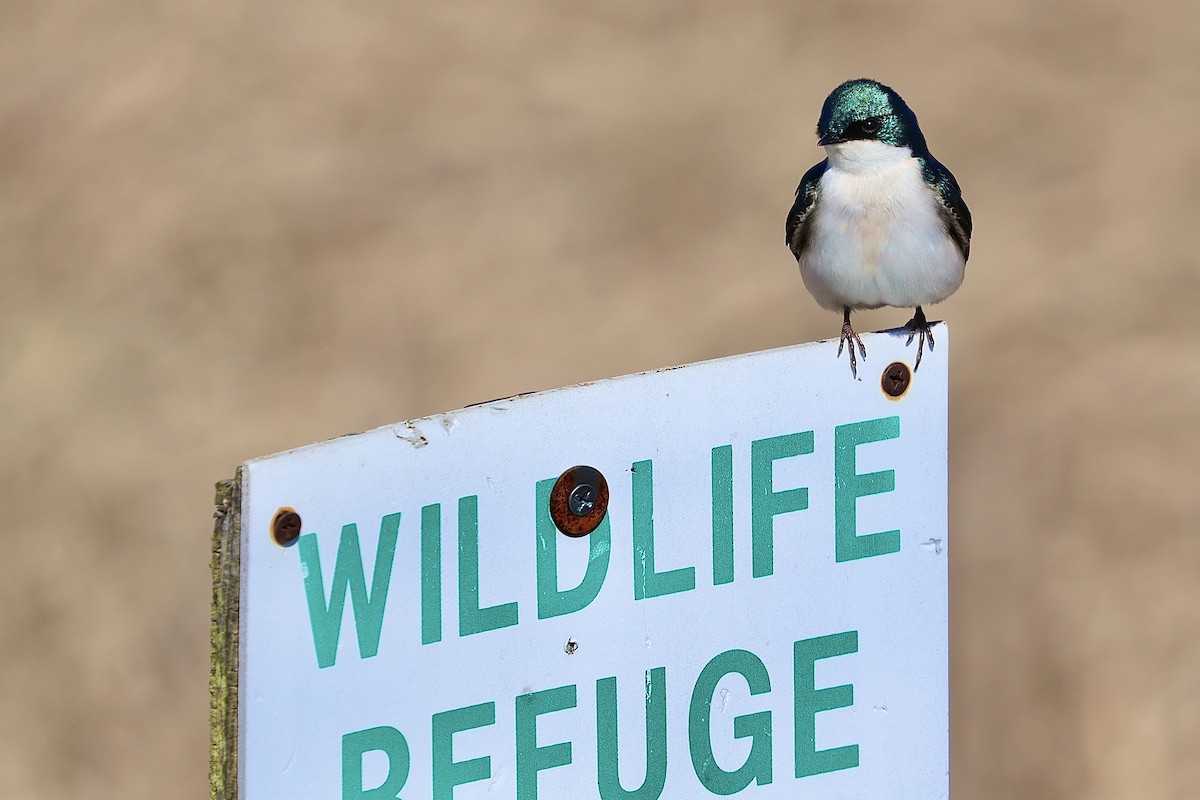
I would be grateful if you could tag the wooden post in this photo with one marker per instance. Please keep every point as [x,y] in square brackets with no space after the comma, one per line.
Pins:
[223,678]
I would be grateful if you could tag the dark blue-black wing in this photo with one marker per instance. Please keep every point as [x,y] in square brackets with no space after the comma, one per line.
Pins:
[800,218]
[954,212]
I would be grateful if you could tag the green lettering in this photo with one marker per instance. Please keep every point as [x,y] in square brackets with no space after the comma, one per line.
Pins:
[448,773]
[647,582]
[393,744]
[431,573]
[810,701]
[326,618]
[757,726]
[551,601]
[532,759]
[607,769]
[848,486]
[471,617]
[765,502]
[722,514]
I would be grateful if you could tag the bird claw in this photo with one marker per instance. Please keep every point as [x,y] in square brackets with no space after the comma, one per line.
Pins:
[918,327]
[849,335]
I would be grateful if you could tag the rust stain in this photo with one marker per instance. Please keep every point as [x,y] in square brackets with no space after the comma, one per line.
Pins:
[285,526]
[896,379]
[579,500]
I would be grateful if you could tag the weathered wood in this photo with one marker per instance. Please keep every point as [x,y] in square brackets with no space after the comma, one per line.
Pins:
[223,680]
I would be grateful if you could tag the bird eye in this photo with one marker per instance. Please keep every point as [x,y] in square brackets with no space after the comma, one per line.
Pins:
[870,126]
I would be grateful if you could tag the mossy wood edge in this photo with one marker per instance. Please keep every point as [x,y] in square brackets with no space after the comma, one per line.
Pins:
[223,678]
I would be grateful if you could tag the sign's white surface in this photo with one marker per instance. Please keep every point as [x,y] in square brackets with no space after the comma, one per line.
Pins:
[762,613]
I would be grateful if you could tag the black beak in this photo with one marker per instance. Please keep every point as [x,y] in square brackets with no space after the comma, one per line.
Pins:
[830,138]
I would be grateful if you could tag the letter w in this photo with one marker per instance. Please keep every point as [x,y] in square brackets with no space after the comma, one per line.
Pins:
[326,619]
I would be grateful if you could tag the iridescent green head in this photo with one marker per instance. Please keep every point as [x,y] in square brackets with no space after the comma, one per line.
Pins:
[864,109]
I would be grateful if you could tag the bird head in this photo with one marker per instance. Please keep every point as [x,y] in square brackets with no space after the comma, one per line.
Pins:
[866,110]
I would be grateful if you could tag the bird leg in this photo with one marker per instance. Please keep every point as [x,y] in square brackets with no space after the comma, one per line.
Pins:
[848,335]
[918,326]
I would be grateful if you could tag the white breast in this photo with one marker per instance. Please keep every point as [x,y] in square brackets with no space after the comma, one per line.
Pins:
[877,239]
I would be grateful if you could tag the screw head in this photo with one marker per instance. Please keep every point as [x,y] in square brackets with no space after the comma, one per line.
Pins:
[285,526]
[896,379]
[582,500]
[579,500]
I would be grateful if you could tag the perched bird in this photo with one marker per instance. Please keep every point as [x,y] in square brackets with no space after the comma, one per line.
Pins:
[880,222]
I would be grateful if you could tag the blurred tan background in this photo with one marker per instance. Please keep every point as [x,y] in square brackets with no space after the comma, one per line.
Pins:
[227,229]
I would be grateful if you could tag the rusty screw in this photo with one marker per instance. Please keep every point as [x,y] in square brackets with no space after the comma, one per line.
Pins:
[579,500]
[285,527]
[896,378]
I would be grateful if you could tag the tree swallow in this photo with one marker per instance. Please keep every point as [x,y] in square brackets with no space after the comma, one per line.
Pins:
[880,222]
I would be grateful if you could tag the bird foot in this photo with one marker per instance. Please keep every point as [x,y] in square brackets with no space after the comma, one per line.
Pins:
[918,326]
[849,336]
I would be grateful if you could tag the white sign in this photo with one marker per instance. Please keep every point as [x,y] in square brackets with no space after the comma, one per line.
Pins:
[762,612]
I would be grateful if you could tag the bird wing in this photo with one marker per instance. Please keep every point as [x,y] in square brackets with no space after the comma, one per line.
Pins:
[953,211]
[799,220]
